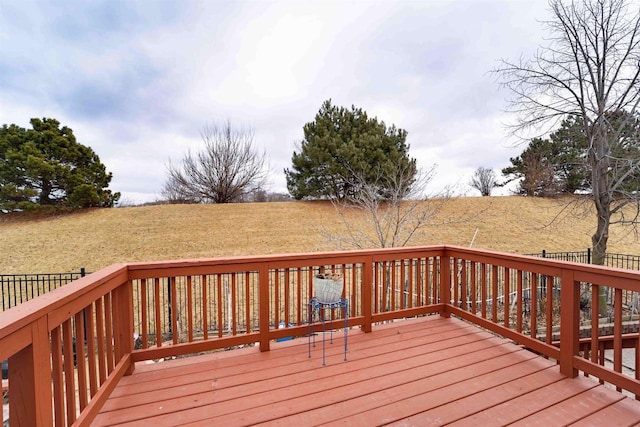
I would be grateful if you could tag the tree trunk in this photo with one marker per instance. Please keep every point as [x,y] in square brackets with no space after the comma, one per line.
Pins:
[602,199]
[599,250]
[45,192]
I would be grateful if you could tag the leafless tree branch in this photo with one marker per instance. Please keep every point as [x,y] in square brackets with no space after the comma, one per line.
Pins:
[484,180]
[590,68]
[225,171]
[369,220]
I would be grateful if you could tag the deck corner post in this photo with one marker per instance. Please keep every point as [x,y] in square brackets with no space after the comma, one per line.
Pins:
[30,385]
[263,280]
[366,294]
[445,285]
[569,323]
[123,322]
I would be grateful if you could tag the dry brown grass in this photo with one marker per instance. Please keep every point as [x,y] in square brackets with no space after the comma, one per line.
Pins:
[97,238]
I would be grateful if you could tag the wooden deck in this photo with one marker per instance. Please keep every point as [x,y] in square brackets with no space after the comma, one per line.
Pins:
[428,371]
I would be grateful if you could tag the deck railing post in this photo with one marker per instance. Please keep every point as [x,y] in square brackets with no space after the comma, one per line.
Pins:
[366,294]
[30,385]
[569,323]
[123,322]
[445,284]
[263,283]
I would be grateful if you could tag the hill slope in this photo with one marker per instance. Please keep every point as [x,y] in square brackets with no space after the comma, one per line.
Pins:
[96,238]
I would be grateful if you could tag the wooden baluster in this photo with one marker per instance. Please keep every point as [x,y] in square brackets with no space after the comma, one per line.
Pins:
[507,291]
[287,297]
[421,288]
[534,305]
[220,301]
[385,288]
[411,285]
[234,301]
[494,293]
[276,296]
[549,320]
[190,308]
[376,290]
[80,361]
[57,377]
[463,286]
[301,303]
[393,288]
[91,349]
[69,374]
[108,332]
[100,337]
[474,287]
[144,315]
[354,289]
[157,311]
[456,284]
[435,287]
[483,289]
[175,332]
[519,297]
[205,312]
[247,300]
[617,331]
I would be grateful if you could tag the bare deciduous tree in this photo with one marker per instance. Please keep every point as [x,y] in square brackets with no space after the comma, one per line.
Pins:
[590,69]
[484,180]
[382,214]
[225,171]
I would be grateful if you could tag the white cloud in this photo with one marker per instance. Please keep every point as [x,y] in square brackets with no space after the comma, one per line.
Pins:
[138,81]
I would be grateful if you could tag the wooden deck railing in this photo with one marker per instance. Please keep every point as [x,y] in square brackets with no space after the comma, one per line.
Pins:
[68,349]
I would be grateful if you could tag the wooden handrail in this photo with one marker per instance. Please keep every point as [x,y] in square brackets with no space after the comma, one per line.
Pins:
[97,311]
[25,341]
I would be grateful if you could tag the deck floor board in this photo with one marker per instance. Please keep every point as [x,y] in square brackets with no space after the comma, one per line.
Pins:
[428,371]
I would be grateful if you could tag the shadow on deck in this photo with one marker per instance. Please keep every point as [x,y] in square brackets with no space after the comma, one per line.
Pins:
[426,371]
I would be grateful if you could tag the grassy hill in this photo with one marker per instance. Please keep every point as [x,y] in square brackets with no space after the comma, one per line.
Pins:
[97,238]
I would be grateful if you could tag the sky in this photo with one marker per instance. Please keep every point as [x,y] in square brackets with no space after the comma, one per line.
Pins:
[137,81]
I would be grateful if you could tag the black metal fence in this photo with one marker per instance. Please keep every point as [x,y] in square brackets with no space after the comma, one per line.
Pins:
[630,262]
[18,288]
[630,299]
